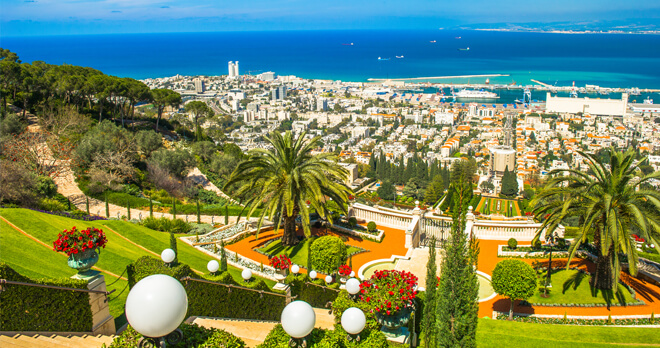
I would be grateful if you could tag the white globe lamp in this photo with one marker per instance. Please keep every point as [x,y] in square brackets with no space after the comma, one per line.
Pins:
[156,305]
[298,319]
[246,274]
[312,274]
[353,286]
[295,269]
[213,266]
[167,255]
[352,274]
[328,279]
[353,320]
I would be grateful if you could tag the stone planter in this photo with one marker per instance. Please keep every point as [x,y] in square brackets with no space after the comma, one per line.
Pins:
[343,280]
[393,322]
[84,261]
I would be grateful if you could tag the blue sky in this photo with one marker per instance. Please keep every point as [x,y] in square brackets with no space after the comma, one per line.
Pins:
[62,17]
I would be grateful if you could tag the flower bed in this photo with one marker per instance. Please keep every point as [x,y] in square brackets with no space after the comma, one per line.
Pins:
[366,235]
[389,291]
[579,321]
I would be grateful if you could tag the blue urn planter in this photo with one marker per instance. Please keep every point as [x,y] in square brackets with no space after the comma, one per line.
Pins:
[83,261]
[393,322]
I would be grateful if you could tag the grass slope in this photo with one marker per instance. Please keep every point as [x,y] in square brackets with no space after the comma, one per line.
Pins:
[572,286]
[495,333]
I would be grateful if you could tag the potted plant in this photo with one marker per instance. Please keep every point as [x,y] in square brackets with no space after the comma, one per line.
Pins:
[81,246]
[281,263]
[391,295]
[344,272]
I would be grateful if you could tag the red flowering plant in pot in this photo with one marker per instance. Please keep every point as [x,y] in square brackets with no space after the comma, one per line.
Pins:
[391,295]
[345,270]
[81,246]
[280,263]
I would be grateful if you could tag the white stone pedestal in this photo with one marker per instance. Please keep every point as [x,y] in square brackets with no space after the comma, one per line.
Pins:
[102,322]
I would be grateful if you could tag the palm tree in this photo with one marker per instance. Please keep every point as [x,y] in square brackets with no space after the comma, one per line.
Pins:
[287,181]
[612,201]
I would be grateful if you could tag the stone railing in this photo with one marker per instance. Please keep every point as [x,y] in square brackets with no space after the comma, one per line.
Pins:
[381,216]
[503,230]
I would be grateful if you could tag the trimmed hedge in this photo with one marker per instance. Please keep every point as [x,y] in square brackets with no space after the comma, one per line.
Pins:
[147,265]
[319,338]
[193,336]
[29,308]
[215,300]
[328,253]
[316,296]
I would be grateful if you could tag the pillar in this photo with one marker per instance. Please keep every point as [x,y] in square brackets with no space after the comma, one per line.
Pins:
[102,322]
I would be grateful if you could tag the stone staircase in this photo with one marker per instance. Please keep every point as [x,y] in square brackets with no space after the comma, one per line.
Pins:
[8,340]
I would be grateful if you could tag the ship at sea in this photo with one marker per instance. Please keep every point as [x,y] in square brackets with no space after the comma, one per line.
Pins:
[471,94]
[464,49]
[348,44]
[399,57]
[432,41]
[379,58]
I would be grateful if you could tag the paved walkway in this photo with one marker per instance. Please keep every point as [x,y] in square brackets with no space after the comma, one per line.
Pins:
[646,291]
[392,244]
[417,264]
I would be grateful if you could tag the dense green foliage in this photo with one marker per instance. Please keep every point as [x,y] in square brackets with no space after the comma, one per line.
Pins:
[431,286]
[612,202]
[194,336]
[328,253]
[514,279]
[147,265]
[29,308]
[320,338]
[166,225]
[509,183]
[316,295]
[512,243]
[456,298]
[289,181]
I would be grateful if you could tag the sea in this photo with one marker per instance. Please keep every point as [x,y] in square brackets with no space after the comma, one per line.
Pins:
[606,60]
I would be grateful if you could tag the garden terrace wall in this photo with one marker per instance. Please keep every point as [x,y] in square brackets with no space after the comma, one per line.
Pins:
[376,238]
[30,308]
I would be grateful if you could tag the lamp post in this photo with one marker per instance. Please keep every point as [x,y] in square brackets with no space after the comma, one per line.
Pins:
[295,269]
[312,274]
[550,239]
[213,266]
[155,308]
[353,287]
[298,319]
[353,321]
[246,274]
[328,279]
[168,256]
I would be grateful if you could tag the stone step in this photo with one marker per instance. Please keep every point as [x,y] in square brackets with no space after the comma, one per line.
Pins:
[55,341]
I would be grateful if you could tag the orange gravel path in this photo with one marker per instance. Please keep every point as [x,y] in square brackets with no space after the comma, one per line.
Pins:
[646,291]
[392,244]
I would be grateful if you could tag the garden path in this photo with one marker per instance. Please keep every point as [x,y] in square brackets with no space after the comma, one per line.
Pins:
[392,244]
[417,264]
[647,291]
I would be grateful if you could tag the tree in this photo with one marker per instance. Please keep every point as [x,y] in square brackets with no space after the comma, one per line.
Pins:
[148,141]
[456,301]
[612,204]
[287,181]
[509,183]
[386,190]
[487,186]
[223,257]
[429,319]
[514,279]
[199,111]
[435,190]
[178,162]
[162,98]
[174,247]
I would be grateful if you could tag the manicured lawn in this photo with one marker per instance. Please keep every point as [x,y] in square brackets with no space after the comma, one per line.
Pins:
[571,286]
[508,207]
[496,333]
[297,253]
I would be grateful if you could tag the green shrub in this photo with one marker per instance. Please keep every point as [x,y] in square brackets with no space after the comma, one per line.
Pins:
[561,243]
[179,226]
[513,243]
[29,308]
[193,336]
[371,226]
[164,224]
[319,338]
[328,253]
[352,221]
[147,265]
[46,186]
[51,204]
[537,245]
[316,296]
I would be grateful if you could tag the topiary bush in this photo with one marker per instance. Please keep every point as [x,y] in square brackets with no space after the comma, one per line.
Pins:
[319,338]
[193,336]
[513,243]
[29,308]
[514,279]
[371,226]
[148,265]
[316,296]
[328,253]
[352,221]
[537,245]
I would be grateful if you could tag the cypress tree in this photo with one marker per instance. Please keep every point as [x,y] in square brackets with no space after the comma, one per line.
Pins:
[151,208]
[223,257]
[509,183]
[199,218]
[173,208]
[227,215]
[107,207]
[456,300]
[309,255]
[87,204]
[174,247]
[128,210]
[429,317]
